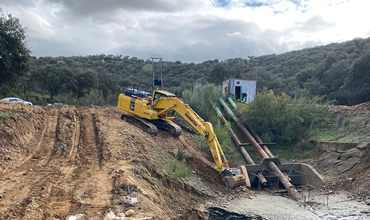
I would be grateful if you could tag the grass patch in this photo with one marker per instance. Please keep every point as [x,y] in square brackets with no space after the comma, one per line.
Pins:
[143,172]
[10,114]
[302,151]
[171,166]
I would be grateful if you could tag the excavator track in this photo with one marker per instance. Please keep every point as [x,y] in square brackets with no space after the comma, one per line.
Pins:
[169,126]
[141,123]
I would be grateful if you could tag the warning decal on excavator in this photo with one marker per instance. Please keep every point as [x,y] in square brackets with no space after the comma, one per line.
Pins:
[132,104]
[186,114]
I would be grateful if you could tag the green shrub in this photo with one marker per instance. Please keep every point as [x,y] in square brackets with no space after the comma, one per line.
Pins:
[200,99]
[282,119]
[223,136]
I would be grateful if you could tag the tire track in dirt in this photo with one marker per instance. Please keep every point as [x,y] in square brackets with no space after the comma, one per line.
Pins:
[26,162]
[51,179]
[98,141]
[27,182]
[89,156]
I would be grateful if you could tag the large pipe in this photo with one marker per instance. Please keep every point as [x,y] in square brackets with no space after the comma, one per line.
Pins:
[257,137]
[232,103]
[236,140]
[254,134]
[262,180]
[290,188]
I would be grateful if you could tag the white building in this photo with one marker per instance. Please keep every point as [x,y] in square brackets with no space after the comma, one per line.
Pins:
[239,88]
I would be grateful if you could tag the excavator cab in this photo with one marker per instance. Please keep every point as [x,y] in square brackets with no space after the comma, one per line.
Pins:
[157,94]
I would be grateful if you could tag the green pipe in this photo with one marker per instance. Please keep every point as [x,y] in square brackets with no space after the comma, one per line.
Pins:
[228,110]
[232,103]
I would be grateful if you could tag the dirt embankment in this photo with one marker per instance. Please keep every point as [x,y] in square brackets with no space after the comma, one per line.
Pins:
[345,158]
[69,161]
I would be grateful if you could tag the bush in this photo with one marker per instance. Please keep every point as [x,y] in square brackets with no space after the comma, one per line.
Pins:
[281,119]
[201,98]
[223,136]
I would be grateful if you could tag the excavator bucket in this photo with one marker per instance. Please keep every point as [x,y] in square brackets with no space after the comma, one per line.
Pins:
[232,178]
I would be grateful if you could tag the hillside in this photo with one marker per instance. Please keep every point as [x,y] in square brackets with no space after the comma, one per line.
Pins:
[339,71]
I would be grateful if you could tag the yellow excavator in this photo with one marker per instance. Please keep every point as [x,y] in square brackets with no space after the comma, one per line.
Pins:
[150,112]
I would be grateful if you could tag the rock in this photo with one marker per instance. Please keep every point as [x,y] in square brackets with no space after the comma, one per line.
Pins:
[129,213]
[348,164]
[362,146]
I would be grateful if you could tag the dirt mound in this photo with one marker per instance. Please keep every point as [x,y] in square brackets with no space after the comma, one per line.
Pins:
[356,109]
[20,128]
[67,161]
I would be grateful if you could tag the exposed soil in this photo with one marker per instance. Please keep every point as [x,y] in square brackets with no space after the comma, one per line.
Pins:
[80,162]
[58,162]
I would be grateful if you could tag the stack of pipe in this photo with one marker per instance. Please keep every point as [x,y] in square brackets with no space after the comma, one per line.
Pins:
[277,172]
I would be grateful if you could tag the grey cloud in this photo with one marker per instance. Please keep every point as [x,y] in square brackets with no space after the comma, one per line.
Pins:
[90,7]
[315,23]
[150,28]
[27,3]
[206,39]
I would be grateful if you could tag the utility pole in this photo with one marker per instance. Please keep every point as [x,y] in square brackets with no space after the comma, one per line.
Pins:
[256,77]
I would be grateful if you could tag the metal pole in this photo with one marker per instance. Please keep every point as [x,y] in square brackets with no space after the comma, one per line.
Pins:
[160,62]
[153,73]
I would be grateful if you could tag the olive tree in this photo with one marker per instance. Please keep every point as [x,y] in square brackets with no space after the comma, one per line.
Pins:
[14,54]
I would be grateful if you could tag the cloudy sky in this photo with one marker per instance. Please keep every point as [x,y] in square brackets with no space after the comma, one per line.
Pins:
[186,30]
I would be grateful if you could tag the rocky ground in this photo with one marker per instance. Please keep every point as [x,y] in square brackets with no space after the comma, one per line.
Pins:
[80,162]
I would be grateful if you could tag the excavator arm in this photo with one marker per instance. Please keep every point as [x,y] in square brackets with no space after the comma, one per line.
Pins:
[167,104]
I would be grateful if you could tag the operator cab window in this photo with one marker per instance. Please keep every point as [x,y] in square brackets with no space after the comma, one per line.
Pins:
[158,95]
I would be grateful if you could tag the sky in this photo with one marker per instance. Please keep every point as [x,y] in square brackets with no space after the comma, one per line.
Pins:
[186,30]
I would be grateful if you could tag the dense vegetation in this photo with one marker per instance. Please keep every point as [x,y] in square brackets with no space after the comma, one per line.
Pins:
[340,71]
[282,119]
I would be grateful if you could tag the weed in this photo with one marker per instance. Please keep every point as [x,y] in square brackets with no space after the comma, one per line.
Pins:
[180,156]
[171,166]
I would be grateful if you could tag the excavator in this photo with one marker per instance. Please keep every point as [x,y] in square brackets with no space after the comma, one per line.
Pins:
[156,111]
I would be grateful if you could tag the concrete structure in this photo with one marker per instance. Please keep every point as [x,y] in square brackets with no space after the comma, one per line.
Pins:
[300,173]
[238,88]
